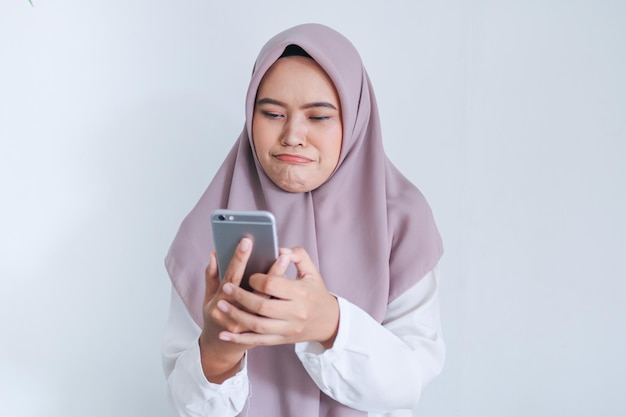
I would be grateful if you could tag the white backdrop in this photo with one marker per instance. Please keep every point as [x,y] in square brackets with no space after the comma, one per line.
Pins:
[509,115]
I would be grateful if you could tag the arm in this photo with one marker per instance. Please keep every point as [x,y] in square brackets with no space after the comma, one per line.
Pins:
[190,392]
[206,374]
[397,358]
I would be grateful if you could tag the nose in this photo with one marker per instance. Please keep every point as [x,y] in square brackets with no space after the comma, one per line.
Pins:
[294,132]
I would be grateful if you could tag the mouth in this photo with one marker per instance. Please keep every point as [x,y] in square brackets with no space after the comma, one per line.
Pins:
[293,158]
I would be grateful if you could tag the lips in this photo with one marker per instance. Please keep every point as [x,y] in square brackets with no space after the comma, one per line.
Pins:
[293,158]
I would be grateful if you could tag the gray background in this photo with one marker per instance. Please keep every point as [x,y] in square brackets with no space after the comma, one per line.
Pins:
[509,115]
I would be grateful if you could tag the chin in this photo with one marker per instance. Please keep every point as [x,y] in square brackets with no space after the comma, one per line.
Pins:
[295,188]
[292,184]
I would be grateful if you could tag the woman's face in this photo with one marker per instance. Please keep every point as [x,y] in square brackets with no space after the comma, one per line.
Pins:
[296,126]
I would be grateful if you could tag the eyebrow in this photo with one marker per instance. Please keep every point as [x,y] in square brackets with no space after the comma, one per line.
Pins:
[326,104]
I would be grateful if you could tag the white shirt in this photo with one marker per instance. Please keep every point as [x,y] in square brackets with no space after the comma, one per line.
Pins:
[377,368]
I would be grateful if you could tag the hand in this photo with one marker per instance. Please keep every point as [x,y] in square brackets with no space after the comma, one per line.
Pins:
[283,310]
[221,359]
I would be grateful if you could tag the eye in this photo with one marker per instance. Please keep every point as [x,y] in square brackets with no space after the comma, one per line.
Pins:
[271,114]
[319,118]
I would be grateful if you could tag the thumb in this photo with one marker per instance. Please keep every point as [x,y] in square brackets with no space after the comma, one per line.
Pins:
[212,278]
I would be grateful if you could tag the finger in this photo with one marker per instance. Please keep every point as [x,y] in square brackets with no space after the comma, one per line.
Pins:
[280,265]
[285,251]
[222,315]
[269,285]
[250,321]
[211,277]
[304,263]
[256,303]
[237,266]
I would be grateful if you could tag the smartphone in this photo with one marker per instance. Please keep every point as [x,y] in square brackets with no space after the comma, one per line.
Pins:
[230,226]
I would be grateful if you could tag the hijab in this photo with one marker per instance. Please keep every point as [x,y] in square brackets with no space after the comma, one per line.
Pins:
[368,229]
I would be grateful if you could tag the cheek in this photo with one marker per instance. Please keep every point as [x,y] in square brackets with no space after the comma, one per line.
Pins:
[334,150]
[259,139]
[264,135]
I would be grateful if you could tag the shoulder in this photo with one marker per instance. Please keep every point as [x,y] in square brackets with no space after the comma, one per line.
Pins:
[405,202]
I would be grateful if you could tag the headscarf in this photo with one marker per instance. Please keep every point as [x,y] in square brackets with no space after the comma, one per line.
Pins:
[368,229]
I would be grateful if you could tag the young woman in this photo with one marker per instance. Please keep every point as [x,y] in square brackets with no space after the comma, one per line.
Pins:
[346,321]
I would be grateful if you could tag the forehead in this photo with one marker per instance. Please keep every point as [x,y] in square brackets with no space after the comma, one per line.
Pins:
[296,74]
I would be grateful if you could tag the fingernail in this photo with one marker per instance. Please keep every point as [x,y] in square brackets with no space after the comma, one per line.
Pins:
[245,244]
[228,289]
[222,305]
[225,337]
[283,261]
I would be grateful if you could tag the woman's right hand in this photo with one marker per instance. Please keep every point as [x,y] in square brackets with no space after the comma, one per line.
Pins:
[221,359]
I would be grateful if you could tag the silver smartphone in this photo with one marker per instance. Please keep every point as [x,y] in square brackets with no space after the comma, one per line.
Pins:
[230,226]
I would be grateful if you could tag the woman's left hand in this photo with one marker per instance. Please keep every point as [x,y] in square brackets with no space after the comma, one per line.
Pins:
[283,310]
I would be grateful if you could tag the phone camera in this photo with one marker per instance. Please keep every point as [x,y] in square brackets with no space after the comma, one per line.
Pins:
[221,217]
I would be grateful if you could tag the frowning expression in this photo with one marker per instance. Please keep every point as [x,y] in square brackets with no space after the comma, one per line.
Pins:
[296,127]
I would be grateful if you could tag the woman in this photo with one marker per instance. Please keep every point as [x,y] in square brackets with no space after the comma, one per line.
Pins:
[346,321]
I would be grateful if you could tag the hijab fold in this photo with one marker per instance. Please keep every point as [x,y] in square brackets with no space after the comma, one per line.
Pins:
[367,228]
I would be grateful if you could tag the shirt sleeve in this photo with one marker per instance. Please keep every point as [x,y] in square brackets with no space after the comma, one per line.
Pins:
[191,394]
[397,358]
